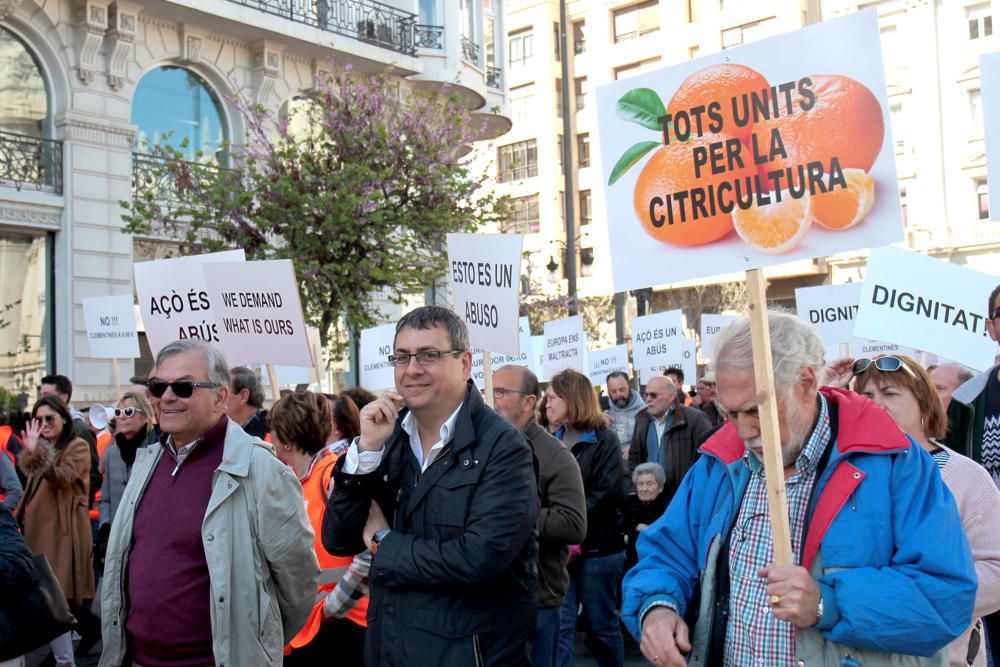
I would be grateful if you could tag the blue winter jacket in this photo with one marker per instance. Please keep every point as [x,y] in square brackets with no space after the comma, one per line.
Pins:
[884,539]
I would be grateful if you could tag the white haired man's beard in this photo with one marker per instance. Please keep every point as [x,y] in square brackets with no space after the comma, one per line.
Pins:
[799,425]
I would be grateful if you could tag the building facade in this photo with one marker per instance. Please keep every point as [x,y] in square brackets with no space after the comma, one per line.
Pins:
[85,85]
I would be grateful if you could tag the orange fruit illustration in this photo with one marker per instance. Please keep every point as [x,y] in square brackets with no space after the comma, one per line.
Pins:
[845,122]
[719,83]
[845,207]
[777,227]
[671,170]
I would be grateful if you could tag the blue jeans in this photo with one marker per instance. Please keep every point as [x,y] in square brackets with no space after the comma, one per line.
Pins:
[546,644]
[593,582]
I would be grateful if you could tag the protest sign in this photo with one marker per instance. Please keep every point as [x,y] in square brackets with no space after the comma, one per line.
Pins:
[565,346]
[683,355]
[258,313]
[656,339]
[498,359]
[989,75]
[831,309]
[484,274]
[538,357]
[607,360]
[376,346]
[748,158]
[173,298]
[111,328]
[928,304]
[711,324]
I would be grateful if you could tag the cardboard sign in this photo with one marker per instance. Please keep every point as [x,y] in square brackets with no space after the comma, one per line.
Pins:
[111,328]
[989,75]
[498,359]
[715,165]
[376,345]
[565,346]
[258,313]
[928,304]
[607,360]
[173,298]
[484,273]
[711,324]
[656,341]
[831,309]
[683,356]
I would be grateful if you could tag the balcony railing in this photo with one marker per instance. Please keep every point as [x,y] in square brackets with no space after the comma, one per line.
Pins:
[149,174]
[470,51]
[429,37]
[494,77]
[31,162]
[365,20]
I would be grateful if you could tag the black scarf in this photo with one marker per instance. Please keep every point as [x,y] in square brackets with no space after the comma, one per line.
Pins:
[128,446]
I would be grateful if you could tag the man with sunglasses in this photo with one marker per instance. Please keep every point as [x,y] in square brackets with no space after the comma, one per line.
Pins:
[210,559]
[442,490]
[562,520]
[881,566]
[974,430]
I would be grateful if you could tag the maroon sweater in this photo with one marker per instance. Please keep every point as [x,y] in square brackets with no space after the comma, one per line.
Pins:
[169,590]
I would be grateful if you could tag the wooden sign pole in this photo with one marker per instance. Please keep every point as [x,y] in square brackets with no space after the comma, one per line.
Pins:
[118,379]
[488,377]
[774,468]
[272,377]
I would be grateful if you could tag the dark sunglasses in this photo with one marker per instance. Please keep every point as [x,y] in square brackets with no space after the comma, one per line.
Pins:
[125,412]
[181,388]
[884,364]
[48,419]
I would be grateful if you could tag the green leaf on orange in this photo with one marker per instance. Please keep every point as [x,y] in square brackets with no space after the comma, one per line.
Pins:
[643,107]
[629,158]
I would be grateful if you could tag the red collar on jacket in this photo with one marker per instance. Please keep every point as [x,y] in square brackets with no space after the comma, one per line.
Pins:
[862,426]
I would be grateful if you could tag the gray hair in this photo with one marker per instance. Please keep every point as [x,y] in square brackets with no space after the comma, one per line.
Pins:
[428,317]
[654,469]
[794,344]
[215,362]
[245,378]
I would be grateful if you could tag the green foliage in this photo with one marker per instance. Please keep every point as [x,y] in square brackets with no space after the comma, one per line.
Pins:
[357,185]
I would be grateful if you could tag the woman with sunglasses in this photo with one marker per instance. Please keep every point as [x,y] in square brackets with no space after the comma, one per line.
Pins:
[133,418]
[54,508]
[904,389]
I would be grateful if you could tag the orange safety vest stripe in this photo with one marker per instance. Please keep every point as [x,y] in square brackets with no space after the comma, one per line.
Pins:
[314,489]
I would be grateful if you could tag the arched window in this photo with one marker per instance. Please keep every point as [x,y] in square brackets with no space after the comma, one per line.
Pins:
[303,117]
[24,96]
[174,106]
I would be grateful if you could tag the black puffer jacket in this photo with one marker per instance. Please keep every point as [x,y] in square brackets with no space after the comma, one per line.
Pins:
[455,582]
[600,457]
[17,571]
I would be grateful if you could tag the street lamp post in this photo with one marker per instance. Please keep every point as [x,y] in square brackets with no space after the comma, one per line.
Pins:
[569,164]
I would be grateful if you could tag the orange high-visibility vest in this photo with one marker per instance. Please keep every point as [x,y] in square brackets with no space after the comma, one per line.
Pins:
[5,433]
[332,568]
[103,440]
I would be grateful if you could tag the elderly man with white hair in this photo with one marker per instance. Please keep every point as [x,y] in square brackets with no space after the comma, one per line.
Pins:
[881,566]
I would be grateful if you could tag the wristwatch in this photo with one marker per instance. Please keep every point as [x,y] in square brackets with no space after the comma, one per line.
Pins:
[819,610]
[379,536]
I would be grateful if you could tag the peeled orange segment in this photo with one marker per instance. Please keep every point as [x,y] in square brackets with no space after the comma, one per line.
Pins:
[777,227]
[845,207]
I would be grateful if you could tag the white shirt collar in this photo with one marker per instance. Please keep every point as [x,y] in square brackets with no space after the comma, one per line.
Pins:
[409,424]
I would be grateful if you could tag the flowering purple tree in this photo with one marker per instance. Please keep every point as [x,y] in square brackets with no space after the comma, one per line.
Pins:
[358,186]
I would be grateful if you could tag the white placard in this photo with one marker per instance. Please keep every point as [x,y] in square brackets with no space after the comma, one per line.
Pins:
[607,360]
[711,324]
[655,340]
[111,329]
[928,304]
[258,312]
[682,355]
[538,357]
[565,346]
[484,272]
[498,359]
[376,345]
[173,298]
[989,76]
[831,309]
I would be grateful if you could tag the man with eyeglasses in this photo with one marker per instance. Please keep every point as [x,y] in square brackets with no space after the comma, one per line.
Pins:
[974,430]
[442,490]
[881,566]
[210,559]
[562,520]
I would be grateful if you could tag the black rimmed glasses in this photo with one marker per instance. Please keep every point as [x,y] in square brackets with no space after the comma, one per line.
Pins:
[500,392]
[885,364]
[181,388]
[424,357]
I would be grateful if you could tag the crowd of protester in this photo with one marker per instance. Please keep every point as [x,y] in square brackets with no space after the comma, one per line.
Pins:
[188,525]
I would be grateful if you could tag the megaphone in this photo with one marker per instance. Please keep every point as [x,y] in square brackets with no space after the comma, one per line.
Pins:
[100,415]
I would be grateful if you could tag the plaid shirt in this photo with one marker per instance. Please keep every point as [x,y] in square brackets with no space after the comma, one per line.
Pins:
[753,635]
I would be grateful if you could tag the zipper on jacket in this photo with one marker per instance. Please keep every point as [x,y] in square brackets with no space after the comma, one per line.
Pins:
[477,651]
